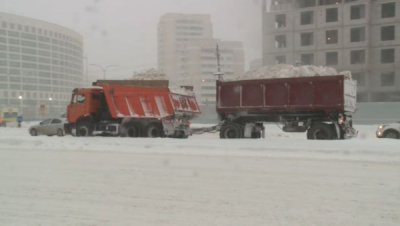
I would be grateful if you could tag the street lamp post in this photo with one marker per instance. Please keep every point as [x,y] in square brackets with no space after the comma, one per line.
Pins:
[104,69]
[50,109]
[20,104]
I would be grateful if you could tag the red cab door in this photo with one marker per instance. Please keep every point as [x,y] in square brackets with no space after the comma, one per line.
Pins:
[76,108]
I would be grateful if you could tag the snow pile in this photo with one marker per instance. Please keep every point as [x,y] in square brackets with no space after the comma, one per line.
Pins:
[289,71]
[151,74]
[180,90]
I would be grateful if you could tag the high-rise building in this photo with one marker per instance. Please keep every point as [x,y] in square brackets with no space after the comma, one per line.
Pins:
[40,64]
[200,64]
[361,36]
[187,54]
[174,31]
[255,64]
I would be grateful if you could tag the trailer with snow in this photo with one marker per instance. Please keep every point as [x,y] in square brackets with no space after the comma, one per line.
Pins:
[132,109]
[319,105]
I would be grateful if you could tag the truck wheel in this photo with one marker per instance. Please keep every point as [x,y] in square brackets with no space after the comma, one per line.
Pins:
[84,129]
[320,131]
[180,135]
[132,129]
[34,133]
[231,131]
[154,130]
[256,135]
[391,134]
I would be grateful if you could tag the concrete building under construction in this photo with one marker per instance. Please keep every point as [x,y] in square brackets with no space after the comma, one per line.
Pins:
[362,36]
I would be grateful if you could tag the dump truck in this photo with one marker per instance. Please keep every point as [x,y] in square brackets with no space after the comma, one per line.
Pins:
[321,106]
[131,109]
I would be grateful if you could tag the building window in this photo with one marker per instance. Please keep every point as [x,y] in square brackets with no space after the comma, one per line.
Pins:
[4,24]
[280,20]
[332,58]
[307,17]
[387,33]
[357,34]
[307,39]
[387,56]
[387,79]
[19,27]
[332,15]
[389,10]
[357,57]
[360,78]
[12,26]
[306,3]
[307,59]
[280,59]
[331,36]
[280,41]
[357,12]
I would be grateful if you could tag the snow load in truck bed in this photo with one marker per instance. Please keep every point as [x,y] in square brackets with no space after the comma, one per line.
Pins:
[153,74]
[289,71]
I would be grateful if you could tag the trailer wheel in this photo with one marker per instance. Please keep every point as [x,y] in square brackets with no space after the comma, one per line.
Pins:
[132,130]
[154,130]
[84,129]
[256,135]
[320,131]
[231,131]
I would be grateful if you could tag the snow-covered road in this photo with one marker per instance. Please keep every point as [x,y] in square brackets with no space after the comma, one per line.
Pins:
[281,180]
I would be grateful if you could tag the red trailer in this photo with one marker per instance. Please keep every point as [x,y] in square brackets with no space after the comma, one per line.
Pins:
[132,109]
[321,105]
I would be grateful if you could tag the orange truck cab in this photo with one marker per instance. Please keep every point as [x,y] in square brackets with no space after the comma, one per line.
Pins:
[130,109]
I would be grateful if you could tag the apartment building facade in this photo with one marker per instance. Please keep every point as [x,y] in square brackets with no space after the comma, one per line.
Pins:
[174,31]
[187,54]
[40,63]
[362,36]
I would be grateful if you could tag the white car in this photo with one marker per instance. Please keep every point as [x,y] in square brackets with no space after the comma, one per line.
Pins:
[389,131]
[48,127]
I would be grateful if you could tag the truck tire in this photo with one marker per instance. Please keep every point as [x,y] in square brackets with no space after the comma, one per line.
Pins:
[256,135]
[320,131]
[132,129]
[84,129]
[154,130]
[231,131]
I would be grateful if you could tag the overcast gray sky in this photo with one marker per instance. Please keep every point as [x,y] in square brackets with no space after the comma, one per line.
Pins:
[124,32]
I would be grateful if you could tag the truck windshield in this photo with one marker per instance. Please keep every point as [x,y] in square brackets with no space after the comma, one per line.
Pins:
[78,99]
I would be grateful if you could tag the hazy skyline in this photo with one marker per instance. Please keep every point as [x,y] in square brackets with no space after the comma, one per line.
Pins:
[124,32]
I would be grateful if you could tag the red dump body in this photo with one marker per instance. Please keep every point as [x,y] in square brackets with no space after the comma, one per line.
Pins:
[147,102]
[322,93]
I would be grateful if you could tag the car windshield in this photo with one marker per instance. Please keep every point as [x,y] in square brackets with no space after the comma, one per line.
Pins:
[45,122]
[200,112]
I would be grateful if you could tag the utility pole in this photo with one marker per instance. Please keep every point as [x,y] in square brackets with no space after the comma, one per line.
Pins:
[218,59]
[218,73]
[103,69]
[87,70]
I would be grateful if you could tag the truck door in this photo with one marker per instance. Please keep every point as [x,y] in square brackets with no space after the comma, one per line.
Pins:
[76,108]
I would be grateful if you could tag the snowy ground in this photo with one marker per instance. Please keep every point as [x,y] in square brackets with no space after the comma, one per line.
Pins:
[281,180]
